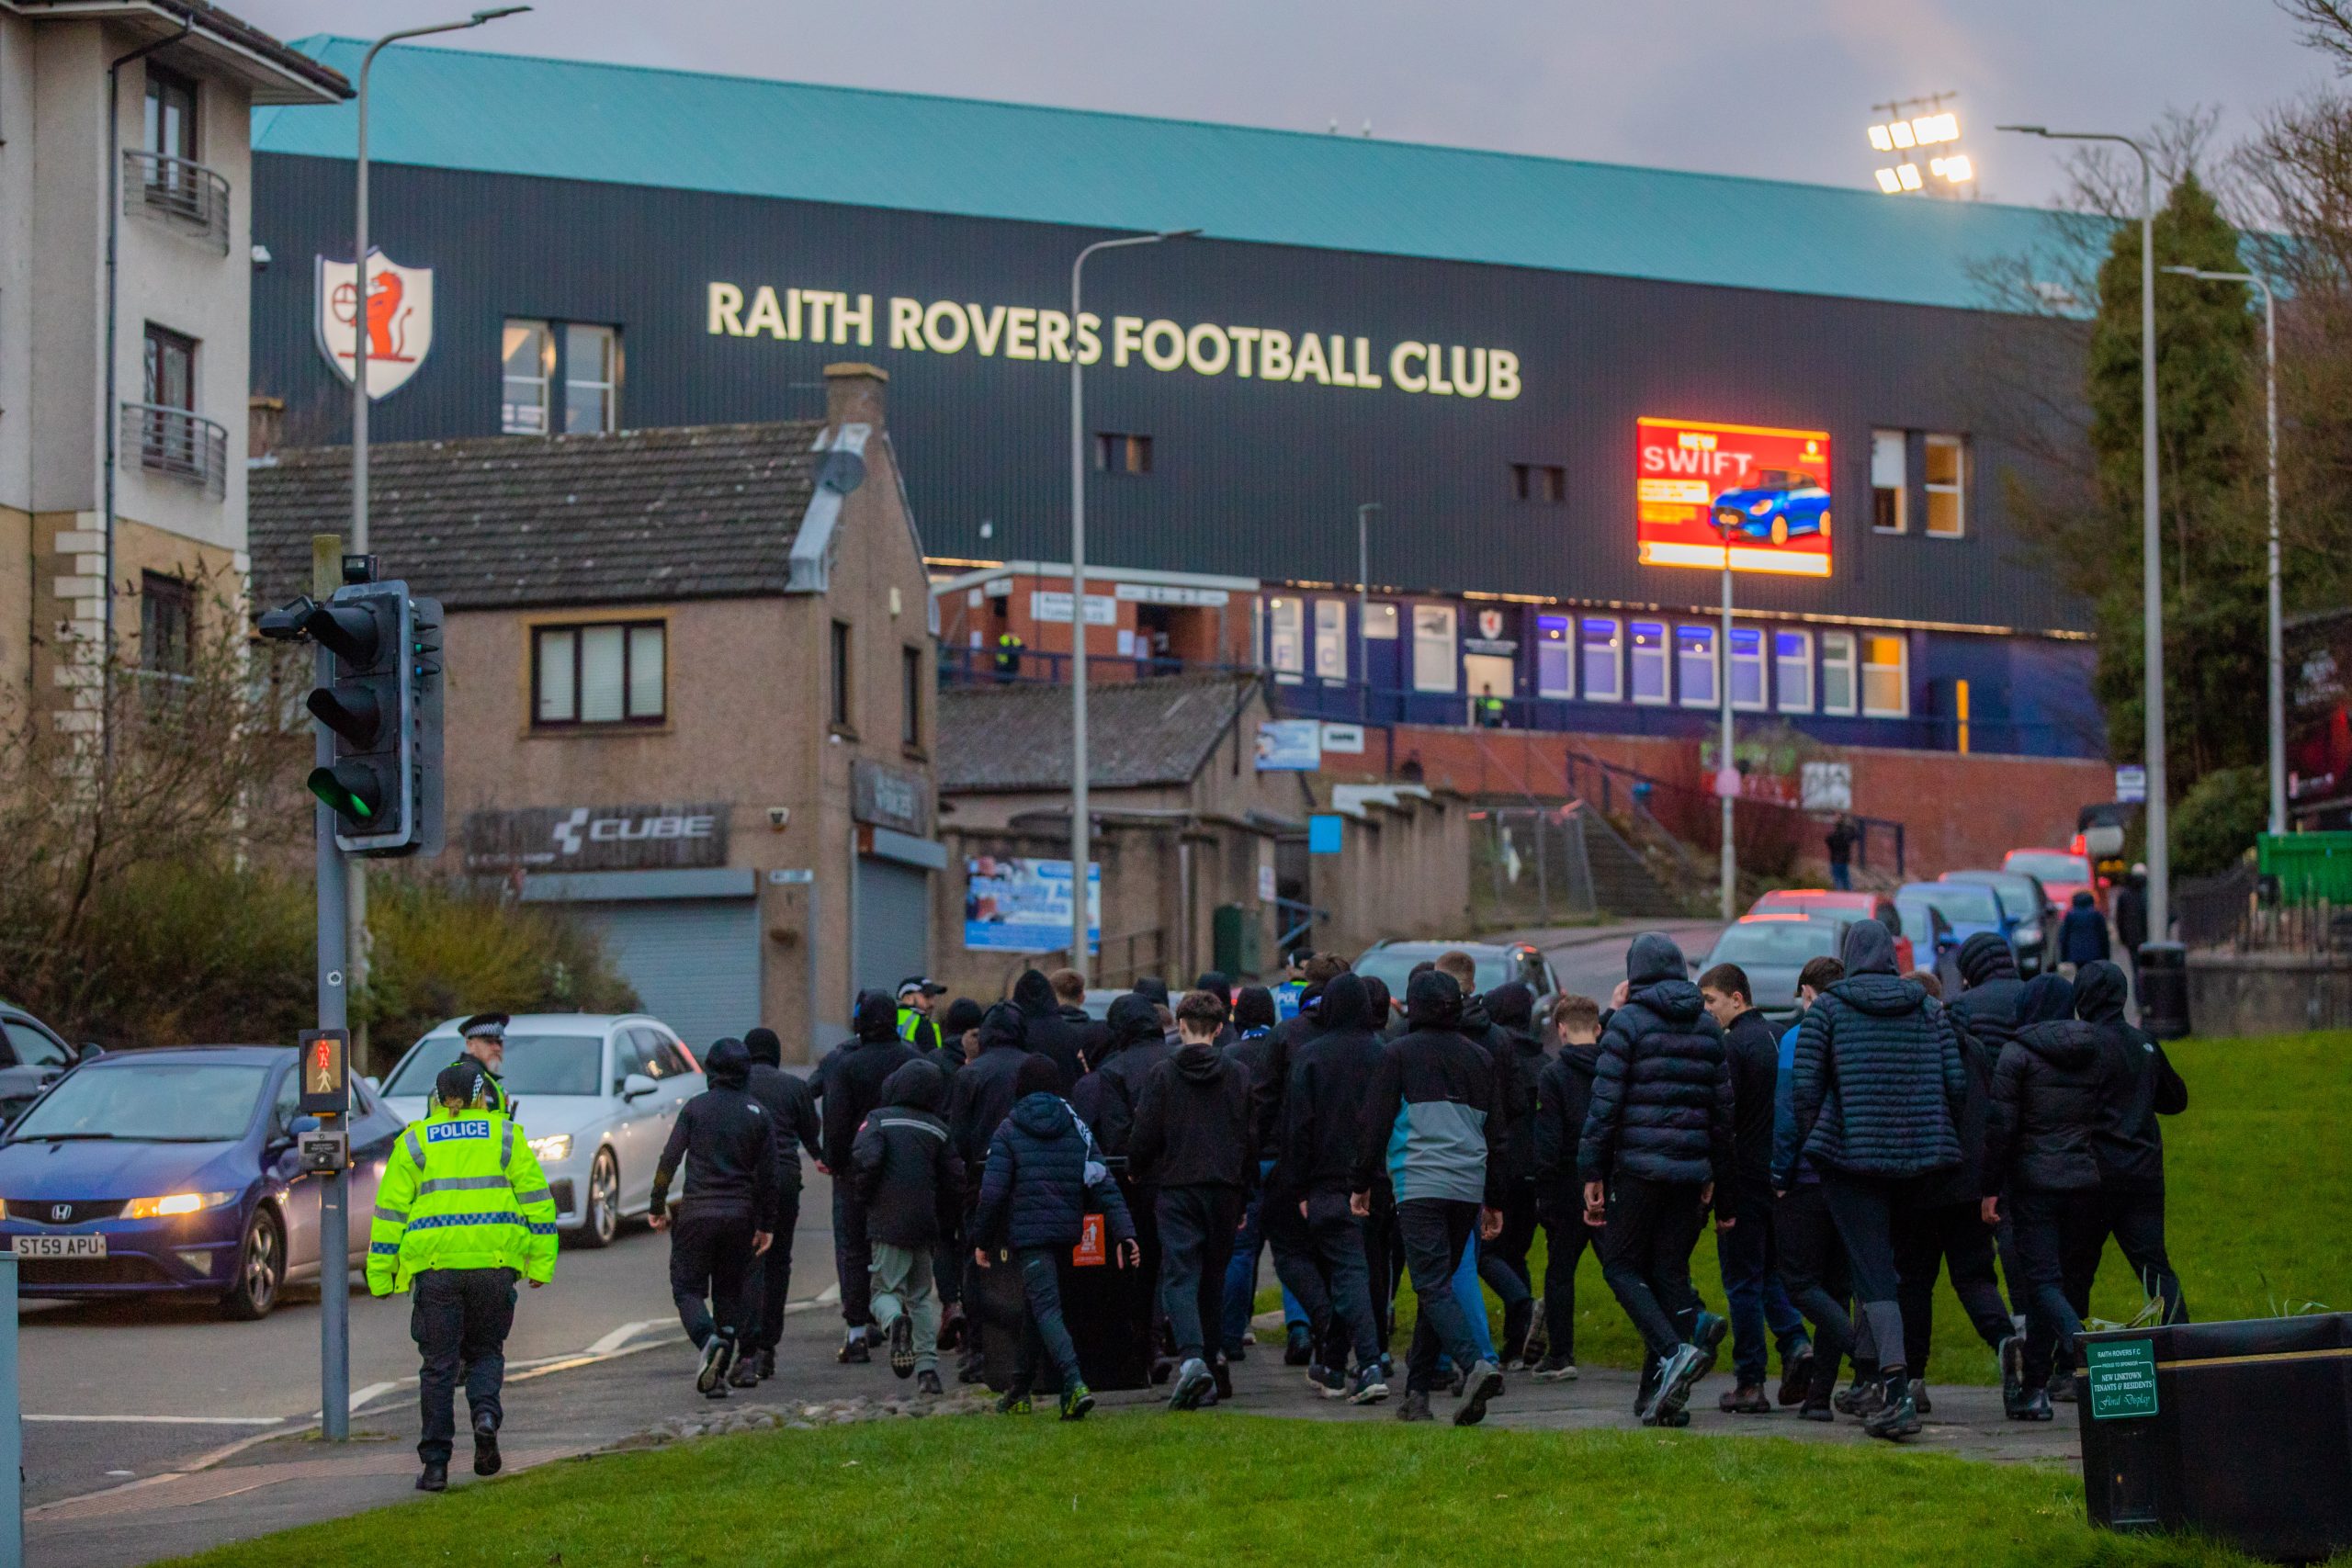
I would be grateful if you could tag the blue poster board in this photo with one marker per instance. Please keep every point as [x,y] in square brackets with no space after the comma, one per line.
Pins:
[1019,905]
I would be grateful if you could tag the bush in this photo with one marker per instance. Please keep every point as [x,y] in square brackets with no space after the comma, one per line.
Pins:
[2217,820]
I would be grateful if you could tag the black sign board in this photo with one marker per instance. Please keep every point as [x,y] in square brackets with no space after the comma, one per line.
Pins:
[597,838]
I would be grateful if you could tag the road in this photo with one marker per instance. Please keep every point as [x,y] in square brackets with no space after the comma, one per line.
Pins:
[1591,959]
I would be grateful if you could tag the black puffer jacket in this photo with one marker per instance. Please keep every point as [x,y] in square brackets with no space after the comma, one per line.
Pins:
[1519,1064]
[983,1095]
[1192,1126]
[1661,1091]
[2045,1103]
[1563,1099]
[1754,1050]
[1330,1075]
[1878,1083]
[1044,1028]
[1108,1096]
[2137,1084]
[1034,1191]
[850,1079]
[906,1172]
[1986,1009]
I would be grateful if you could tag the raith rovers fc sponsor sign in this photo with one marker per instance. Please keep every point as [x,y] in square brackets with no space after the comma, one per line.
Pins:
[596,838]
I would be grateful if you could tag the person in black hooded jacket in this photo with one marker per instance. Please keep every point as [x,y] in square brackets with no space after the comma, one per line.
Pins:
[1269,1056]
[1105,1100]
[1945,1229]
[2137,1084]
[1759,1303]
[979,1100]
[1876,1094]
[1046,1031]
[727,1218]
[909,1182]
[2039,1159]
[848,1081]
[1657,1145]
[1519,1063]
[1563,1099]
[794,1110]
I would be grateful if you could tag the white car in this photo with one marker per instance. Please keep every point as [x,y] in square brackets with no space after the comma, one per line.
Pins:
[596,1094]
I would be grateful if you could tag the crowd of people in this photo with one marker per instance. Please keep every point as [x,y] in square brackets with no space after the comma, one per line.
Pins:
[1887,1138]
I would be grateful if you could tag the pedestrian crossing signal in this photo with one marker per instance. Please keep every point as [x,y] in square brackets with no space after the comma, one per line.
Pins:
[325,1067]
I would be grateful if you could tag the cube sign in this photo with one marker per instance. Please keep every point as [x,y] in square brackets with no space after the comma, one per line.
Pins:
[1760,494]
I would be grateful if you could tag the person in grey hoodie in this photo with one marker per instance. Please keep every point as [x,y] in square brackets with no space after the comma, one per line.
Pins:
[1878,1087]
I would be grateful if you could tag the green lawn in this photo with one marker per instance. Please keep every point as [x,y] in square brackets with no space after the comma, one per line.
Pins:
[2255,1171]
[1145,1489]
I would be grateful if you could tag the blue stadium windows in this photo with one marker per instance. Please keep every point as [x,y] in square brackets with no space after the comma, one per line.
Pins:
[1747,669]
[1598,647]
[1694,656]
[1793,669]
[1555,674]
[1838,676]
[1653,679]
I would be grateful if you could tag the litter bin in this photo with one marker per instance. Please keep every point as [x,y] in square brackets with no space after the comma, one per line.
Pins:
[2241,1431]
[2164,988]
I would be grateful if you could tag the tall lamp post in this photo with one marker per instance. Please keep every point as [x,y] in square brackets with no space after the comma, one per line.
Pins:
[2151,608]
[2278,654]
[1364,610]
[1727,771]
[1079,813]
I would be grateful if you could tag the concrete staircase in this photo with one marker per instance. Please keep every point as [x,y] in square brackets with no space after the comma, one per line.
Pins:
[1622,882]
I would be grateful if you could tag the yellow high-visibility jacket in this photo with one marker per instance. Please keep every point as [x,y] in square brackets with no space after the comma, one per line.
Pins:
[462,1191]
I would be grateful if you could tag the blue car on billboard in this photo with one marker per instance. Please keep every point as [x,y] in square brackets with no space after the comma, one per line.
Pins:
[1782,504]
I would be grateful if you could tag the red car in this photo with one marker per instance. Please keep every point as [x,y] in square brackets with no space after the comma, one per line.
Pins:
[2062,873]
[1860,906]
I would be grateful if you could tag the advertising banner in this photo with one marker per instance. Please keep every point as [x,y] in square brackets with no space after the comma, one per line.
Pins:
[1763,494]
[597,838]
[1289,746]
[1017,905]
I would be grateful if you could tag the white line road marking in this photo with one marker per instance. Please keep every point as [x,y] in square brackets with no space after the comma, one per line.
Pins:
[368,1396]
[830,1294]
[621,1335]
[170,1420]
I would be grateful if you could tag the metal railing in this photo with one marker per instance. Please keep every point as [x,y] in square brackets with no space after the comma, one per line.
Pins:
[180,193]
[176,441]
[2236,910]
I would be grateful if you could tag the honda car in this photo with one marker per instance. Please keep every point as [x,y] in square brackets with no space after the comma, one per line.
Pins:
[1782,505]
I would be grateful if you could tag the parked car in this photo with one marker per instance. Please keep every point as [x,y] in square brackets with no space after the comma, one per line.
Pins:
[2062,873]
[1392,963]
[174,1171]
[1773,948]
[1968,907]
[2033,918]
[1858,905]
[596,1095]
[1781,503]
[1934,941]
[32,1056]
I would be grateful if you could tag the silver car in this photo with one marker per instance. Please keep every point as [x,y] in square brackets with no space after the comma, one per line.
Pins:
[596,1093]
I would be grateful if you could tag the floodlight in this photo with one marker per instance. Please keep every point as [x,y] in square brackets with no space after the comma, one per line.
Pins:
[1881,139]
[1909,175]
[1931,129]
[1889,183]
[1900,131]
[1957,169]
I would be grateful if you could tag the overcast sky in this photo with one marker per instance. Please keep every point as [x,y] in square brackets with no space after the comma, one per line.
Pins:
[1779,88]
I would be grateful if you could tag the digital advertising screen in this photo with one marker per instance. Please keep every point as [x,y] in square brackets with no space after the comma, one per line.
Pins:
[1761,494]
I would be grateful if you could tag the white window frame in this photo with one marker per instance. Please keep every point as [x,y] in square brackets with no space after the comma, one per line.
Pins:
[1735,659]
[1957,490]
[1286,635]
[1567,642]
[1902,668]
[1616,691]
[639,683]
[1898,444]
[1793,696]
[1331,639]
[607,390]
[1847,662]
[1664,653]
[545,380]
[1428,640]
[1380,624]
[1710,636]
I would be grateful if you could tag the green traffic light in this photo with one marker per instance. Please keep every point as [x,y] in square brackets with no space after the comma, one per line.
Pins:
[349,790]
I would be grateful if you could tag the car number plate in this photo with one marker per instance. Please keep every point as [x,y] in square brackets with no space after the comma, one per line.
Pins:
[60,1247]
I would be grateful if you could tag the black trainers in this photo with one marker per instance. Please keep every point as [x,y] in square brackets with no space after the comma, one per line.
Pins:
[971,1368]
[747,1372]
[1861,1397]
[1677,1371]
[766,1359]
[2012,1375]
[1299,1348]
[434,1478]
[1709,1334]
[902,1346]
[2062,1387]
[1482,1382]
[1012,1404]
[1556,1367]
[1920,1401]
[1191,1382]
[717,1359]
[927,1383]
[2033,1405]
[1416,1408]
[1897,1419]
[1370,1387]
[486,1460]
[1329,1382]
[1796,1377]
[1539,1337]
[1221,1373]
[854,1352]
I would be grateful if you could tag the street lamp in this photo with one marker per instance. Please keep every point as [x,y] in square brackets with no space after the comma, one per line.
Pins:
[1079,835]
[1364,610]
[2151,607]
[2278,657]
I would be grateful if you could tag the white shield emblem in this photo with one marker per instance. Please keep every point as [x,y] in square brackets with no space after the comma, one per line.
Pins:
[399,319]
[1491,622]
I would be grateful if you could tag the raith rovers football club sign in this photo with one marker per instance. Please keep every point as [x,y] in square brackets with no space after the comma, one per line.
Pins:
[398,318]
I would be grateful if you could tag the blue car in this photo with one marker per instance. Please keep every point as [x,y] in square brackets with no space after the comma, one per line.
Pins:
[174,1172]
[1782,504]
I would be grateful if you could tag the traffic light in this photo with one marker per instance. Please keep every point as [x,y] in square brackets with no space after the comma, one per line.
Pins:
[380,697]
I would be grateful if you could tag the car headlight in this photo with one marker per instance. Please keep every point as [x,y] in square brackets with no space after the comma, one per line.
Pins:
[1759,509]
[2030,938]
[554,1146]
[175,1203]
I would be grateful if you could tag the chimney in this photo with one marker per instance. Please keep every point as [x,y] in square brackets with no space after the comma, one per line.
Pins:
[855,393]
[264,425]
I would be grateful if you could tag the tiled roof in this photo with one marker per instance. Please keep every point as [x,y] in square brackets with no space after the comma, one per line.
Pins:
[1140,733]
[700,512]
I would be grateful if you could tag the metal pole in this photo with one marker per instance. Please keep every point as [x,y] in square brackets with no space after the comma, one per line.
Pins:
[1364,610]
[12,1432]
[335,1219]
[1722,674]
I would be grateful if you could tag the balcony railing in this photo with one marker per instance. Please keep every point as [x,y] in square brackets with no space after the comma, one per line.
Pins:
[175,441]
[179,194]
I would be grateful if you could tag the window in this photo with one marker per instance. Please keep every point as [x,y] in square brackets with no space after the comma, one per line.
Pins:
[529,349]
[171,369]
[29,1047]
[1890,470]
[1285,637]
[170,130]
[1793,669]
[1380,623]
[1837,671]
[1331,639]
[1552,657]
[1433,662]
[1947,487]
[1650,675]
[841,652]
[1886,692]
[1604,682]
[1542,482]
[166,624]
[1117,453]
[1695,651]
[1748,668]
[910,684]
[592,380]
[607,672]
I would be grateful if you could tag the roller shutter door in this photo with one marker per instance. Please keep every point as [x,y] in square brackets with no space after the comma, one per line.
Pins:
[893,923]
[695,961]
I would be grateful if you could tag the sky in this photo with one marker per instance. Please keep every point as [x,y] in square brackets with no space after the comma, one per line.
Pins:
[1773,88]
